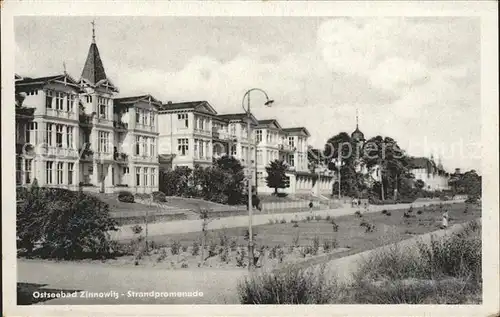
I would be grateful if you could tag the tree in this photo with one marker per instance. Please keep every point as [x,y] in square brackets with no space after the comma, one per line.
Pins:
[63,224]
[341,154]
[175,182]
[419,184]
[390,158]
[276,175]
[471,183]
[235,190]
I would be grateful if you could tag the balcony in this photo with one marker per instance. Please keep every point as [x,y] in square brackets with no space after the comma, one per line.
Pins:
[144,127]
[120,157]
[59,113]
[85,119]
[120,126]
[203,132]
[25,113]
[286,148]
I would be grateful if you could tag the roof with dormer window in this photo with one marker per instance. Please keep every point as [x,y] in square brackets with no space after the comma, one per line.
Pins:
[297,130]
[65,79]
[136,99]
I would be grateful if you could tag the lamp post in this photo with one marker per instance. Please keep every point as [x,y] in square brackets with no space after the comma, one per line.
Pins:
[249,167]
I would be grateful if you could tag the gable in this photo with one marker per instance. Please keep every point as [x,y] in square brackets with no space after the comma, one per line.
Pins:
[205,107]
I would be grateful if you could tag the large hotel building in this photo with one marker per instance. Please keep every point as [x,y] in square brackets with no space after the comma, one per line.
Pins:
[81,134]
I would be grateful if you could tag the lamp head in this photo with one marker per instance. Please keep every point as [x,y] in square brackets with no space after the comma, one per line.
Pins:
[269,102]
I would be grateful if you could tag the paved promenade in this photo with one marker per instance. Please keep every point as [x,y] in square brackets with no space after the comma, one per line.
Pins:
[184,226]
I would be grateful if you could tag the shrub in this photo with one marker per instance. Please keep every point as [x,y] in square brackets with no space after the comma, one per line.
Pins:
[162,256]
[358,214]
[233,245]
[211,248]
[328,217]
[419,212]
[58,223]
[223,238]
[283,220]
[410,209]
[295,225]
[240,258]
[143,196]
[315,246]
[273,252]
[175,247]
[290,286]
[224,255]
[388,213]
[137,229]
[125,196]
[184,265]
[270,221]
[318,217]
[159,197]
[195,250]
[384,211]
[296,239]
[280,254]
[328,245]
[309,218]
[184,248]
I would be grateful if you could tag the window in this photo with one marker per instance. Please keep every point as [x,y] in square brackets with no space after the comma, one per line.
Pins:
[201,149]
[70,102]
[30,135]
[145,146]
[102,107]
[137,145]
[145,176]
[60,173]
[88,98]
[138,113]
[71,167]
[233,150]
[59,100]
[69,137]
[259,156]
[232,127]
[268,137]
[48,172]
[28,167]
[152,147]
[291,160]
[195,148]
[182,146]
[137,176]
[183,120]
[59,135]
[258,134]
[103,142]
[153,176]
[19,171]
[201,123]
[152,119]
[48,134]
[145,116]
[48,99]
[291,141]
[126,170]
[207,149]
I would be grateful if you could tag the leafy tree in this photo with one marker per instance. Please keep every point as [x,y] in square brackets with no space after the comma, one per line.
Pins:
[235,190]
[58,223]
[175,182]
[419,184]
[390,158]
[276,175]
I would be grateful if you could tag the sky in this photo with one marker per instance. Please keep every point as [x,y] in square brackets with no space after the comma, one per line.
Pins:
[416,80]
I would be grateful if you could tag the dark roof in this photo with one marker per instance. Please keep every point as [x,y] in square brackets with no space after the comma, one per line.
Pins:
[44,80]
[195,105]
[134,99]
[181,105]
[270,121]
[233,116]
[237,117]
[296,129]
[419,162]
[93,71]
[357,134]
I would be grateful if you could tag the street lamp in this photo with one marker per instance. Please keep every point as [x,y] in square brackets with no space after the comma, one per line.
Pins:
[249,167]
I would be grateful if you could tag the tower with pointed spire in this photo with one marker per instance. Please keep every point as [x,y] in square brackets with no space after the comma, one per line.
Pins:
[357,135]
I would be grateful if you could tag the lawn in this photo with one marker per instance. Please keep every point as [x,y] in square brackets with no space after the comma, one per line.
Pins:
[294,238]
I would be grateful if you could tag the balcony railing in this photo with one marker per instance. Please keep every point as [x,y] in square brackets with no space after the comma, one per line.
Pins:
[120,157]
[60,113]
[201,131]
[286,148]
[144,127]
[120,125]
[25,113]
[85,119]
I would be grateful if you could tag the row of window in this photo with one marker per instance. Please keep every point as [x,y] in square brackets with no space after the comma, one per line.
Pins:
[63,101]
[25,173]
[148,178]
[59,135]
[145,117]
[51,167]
[201,148]
[145,146]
